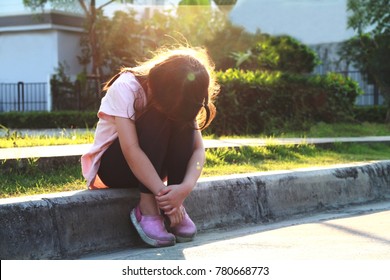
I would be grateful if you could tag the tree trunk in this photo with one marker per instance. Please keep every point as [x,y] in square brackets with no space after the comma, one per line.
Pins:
[94,44]
[387,120]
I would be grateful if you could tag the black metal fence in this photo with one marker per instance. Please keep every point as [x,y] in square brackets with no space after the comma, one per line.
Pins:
[35,96]
[76,96]
[23,97]
[371,96]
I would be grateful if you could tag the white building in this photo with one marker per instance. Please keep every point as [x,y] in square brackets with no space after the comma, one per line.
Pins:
[32,45]
[31,48]
[312,22]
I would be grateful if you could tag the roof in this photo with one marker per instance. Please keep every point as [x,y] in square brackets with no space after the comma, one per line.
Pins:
[51,19]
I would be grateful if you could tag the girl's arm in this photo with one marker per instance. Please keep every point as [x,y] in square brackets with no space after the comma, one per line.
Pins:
[137,160]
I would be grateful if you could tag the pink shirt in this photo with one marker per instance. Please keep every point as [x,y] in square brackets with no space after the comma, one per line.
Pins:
[118,102]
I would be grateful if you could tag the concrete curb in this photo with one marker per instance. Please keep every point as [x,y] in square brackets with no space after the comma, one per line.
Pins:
[69,225]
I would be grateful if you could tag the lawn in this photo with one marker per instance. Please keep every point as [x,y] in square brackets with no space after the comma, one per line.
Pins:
[15,138]
[221,161]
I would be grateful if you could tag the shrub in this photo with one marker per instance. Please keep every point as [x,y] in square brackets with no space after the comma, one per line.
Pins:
[249,103]
[80,94]
[230,45]
[286,54]
[60,119]
[261,101]
[277,53]
[374,114]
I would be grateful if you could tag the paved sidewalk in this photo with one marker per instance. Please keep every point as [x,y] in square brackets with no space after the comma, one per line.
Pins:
[353,233]
[78,150]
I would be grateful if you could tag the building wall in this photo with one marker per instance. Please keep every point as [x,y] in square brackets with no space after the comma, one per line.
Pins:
[31,47]
[27,57]
[68,49]
[310,21]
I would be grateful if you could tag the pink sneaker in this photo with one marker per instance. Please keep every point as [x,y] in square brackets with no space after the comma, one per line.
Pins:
[151,229]
[186,230]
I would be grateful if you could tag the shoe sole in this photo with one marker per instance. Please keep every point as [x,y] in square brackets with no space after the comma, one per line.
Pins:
[150,241]
[182,239]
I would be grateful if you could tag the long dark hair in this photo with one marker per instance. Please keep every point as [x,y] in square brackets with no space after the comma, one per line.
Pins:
[180,82]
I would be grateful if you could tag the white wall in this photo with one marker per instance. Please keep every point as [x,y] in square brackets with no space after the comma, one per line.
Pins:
[28,57]
[34,56]
[310,21]
[68,49]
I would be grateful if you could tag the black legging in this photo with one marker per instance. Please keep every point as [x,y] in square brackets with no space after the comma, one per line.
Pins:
[168,144]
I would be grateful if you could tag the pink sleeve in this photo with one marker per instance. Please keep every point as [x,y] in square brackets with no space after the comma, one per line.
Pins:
[120,97]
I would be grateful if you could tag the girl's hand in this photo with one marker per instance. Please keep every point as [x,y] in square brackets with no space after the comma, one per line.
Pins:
[177,216]
[171,198]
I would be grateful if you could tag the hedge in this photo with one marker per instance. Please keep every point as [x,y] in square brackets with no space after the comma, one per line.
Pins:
[373,114]
[257,102]
[250,102]
[37,120]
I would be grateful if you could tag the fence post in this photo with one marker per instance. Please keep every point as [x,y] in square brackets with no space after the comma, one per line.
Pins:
[77,87]
[376,95]
[48,95]
[20,95]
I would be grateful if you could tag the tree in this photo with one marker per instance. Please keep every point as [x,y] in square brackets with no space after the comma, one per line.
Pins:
[373,15]
[370,49]
[91,13]
[229,46]
[277,53]
[97,27]
[286,54]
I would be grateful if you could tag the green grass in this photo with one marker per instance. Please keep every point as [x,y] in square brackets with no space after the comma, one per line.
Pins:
[34,181]
[348,130]
[328,130]
[274,157]
[221,161]
[14,138]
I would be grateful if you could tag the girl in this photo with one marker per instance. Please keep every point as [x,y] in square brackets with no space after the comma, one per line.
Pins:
[149,132]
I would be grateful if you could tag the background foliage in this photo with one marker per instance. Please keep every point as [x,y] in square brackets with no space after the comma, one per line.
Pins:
[265,81]
[250,102]
[253,102]
[369,51]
